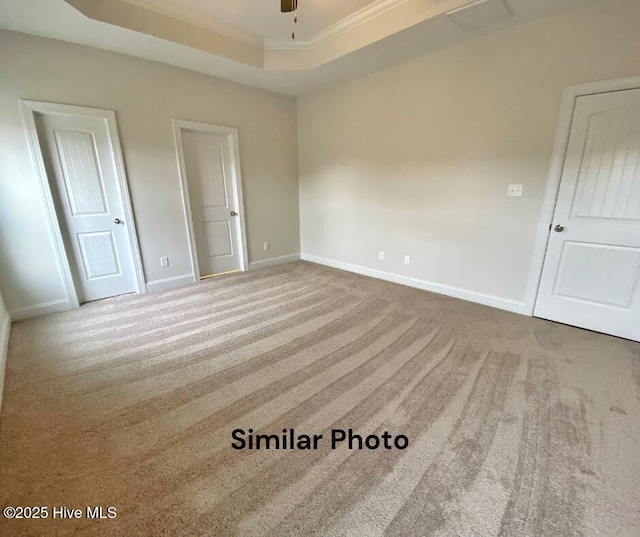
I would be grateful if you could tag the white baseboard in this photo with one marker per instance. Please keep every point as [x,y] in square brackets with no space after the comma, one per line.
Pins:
[54,306]
[5,329]
[455,292]
[170,283]
[274,261]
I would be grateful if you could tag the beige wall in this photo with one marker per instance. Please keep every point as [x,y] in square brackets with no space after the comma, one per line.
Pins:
[416,159]
[145,96]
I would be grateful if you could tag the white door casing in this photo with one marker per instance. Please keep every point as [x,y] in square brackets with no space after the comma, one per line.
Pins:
[77,156]
[212,192]
[591,273]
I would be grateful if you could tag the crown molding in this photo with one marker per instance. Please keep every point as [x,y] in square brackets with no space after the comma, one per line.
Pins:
[343,26]
[378,8]
[276,46]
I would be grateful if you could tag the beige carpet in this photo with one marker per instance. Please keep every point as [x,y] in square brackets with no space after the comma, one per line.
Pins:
[516,426]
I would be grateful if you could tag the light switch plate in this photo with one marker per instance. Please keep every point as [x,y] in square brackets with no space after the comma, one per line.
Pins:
[514,191]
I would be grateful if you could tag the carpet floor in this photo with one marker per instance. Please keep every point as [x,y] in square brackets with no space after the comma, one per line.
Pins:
[515,426]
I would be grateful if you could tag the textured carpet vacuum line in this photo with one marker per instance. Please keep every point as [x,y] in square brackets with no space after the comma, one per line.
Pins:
[221,310]
[225,457]
[301,413]
[267,393]
[174,357]
[203,304]
[561,507]
[176,340]
[204,385]
[516,426]
[346,485]
[176,347]
[139,305]
[193,329]
[126,350]
[355,476]
[285,471]
[467,449]
[320,398]
[240,403]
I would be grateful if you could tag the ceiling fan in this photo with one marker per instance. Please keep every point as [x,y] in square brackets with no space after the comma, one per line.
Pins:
[287,6]
[290,6]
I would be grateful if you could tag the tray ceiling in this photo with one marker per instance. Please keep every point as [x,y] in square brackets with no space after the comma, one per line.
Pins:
[366,39]
[262,18]
[206,29]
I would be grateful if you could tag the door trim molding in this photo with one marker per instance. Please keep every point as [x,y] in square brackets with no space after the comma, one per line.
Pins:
[561,142]
[232,135]
[29,109]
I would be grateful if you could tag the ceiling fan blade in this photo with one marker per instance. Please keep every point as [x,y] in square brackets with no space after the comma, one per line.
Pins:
[287,6]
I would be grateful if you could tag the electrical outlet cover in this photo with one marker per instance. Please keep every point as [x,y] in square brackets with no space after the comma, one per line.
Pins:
[514,191]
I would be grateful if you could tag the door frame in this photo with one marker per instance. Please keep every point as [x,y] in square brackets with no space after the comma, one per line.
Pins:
[560,145]
[232,135]
[29,110]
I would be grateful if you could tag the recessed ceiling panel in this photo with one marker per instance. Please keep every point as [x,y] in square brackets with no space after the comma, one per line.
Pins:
[260,17]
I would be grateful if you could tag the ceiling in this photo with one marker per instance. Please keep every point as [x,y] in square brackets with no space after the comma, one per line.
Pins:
[261,18]
[241,40]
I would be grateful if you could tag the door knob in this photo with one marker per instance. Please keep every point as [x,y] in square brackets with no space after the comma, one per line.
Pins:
[233,213]
[117,221]
[559,228]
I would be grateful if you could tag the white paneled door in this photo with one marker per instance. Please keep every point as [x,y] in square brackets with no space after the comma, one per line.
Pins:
[208,164]
[79,159]
[591,274]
